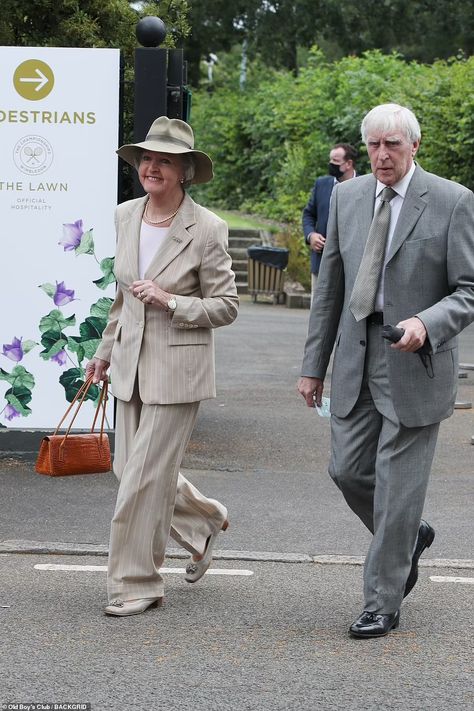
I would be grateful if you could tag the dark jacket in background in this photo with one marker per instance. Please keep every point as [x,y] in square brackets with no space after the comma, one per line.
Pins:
[316,213]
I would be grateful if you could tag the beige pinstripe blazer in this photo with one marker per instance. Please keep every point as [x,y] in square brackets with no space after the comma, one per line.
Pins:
[172,354]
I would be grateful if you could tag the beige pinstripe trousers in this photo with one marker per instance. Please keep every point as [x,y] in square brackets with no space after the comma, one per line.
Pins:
[154,499]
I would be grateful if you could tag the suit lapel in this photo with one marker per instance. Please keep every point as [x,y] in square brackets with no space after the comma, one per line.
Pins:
[176,240]
[363,214]
[132,237]
[412,209]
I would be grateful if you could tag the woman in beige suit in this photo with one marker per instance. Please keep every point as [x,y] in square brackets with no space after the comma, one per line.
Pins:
[175,285]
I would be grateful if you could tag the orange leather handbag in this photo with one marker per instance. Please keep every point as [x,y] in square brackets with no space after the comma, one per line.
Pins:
[87,453]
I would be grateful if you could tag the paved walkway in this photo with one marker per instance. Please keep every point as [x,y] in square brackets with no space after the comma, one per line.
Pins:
[274,634]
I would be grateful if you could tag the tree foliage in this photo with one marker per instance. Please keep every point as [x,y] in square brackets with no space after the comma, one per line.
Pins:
[89,23]
[419,29]
[278,31]
[46,23]
[270,142]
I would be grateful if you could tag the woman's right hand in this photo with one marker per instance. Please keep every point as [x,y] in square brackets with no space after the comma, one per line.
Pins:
[98,369]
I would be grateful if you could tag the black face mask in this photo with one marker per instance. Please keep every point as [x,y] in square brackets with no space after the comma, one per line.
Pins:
[335,171]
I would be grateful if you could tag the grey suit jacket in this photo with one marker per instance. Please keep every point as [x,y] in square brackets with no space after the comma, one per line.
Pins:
[171,353]
[429,274]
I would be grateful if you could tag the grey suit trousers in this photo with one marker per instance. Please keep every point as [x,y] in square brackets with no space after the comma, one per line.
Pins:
[154,500]
[382,469]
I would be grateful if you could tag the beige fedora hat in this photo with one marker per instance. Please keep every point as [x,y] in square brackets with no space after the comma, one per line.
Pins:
[170,136]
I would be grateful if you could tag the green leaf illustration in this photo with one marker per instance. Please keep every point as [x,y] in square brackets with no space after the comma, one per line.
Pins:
[90,347]
[19,377]
[22,409]
[92,327]
[101,308]
[91,334]
[86,245]
[4,375]
[18,398]
[68,377]
[56,321]
[22,378]
[75,346]
[107,268]
[28,346]
[72,380]
[49,289]
[53,342]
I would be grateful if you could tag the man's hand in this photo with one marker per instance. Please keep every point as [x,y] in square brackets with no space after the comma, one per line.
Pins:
[414,336]
[312,390]
[316,241]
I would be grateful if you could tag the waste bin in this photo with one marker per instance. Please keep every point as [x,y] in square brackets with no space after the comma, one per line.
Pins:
[266,274]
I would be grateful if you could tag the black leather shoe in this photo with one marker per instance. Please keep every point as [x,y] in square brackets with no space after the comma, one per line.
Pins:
[425,538]
[373,624]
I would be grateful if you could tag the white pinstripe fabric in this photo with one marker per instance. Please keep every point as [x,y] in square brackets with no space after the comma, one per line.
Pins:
[162,365]
[173,354]
[153,497]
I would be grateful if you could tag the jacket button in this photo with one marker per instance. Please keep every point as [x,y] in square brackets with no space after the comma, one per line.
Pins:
[140,323]
[362,343]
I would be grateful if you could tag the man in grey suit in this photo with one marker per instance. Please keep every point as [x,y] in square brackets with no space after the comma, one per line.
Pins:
[399,251]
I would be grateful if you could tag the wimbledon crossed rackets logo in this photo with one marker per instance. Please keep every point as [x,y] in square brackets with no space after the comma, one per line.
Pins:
[33,155]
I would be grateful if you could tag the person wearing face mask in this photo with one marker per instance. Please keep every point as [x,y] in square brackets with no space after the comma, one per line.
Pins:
[342,158]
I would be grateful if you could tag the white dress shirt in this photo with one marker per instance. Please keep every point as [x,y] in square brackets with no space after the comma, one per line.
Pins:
[395,206]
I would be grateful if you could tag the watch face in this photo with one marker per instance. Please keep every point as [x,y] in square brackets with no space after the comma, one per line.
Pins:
[172,304]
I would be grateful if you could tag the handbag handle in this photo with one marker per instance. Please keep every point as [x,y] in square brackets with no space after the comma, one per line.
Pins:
[80,395]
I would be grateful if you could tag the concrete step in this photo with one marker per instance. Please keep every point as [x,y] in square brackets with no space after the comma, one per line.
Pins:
[298,300]
[237,253]
[244,241]
[239,265]
[242,232]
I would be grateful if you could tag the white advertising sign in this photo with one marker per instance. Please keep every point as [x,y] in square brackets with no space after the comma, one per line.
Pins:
[59,114]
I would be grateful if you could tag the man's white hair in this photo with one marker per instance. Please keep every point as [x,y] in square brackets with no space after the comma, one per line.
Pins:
[391,117]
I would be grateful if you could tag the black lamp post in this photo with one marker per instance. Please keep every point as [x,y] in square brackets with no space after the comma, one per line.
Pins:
[150,75]
[160,77]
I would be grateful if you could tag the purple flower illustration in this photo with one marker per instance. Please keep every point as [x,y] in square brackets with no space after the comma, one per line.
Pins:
[13,350]
[10,412]
[60,358]
[62,296]
[72,235]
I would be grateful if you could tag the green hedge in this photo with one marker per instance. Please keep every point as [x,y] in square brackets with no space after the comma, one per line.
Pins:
[271,141]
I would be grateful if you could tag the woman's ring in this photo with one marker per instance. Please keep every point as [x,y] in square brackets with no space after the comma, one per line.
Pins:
[141,295]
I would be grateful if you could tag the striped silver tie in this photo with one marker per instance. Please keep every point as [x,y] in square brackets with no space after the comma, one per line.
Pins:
[363,295]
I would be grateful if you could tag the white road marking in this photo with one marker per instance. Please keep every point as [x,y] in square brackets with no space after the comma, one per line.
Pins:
[165,571]
[451,579]
[42,548]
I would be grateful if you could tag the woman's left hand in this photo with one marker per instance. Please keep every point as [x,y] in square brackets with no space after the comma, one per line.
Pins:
[150,293]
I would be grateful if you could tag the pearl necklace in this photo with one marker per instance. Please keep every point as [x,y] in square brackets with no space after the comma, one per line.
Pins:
[158,222]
